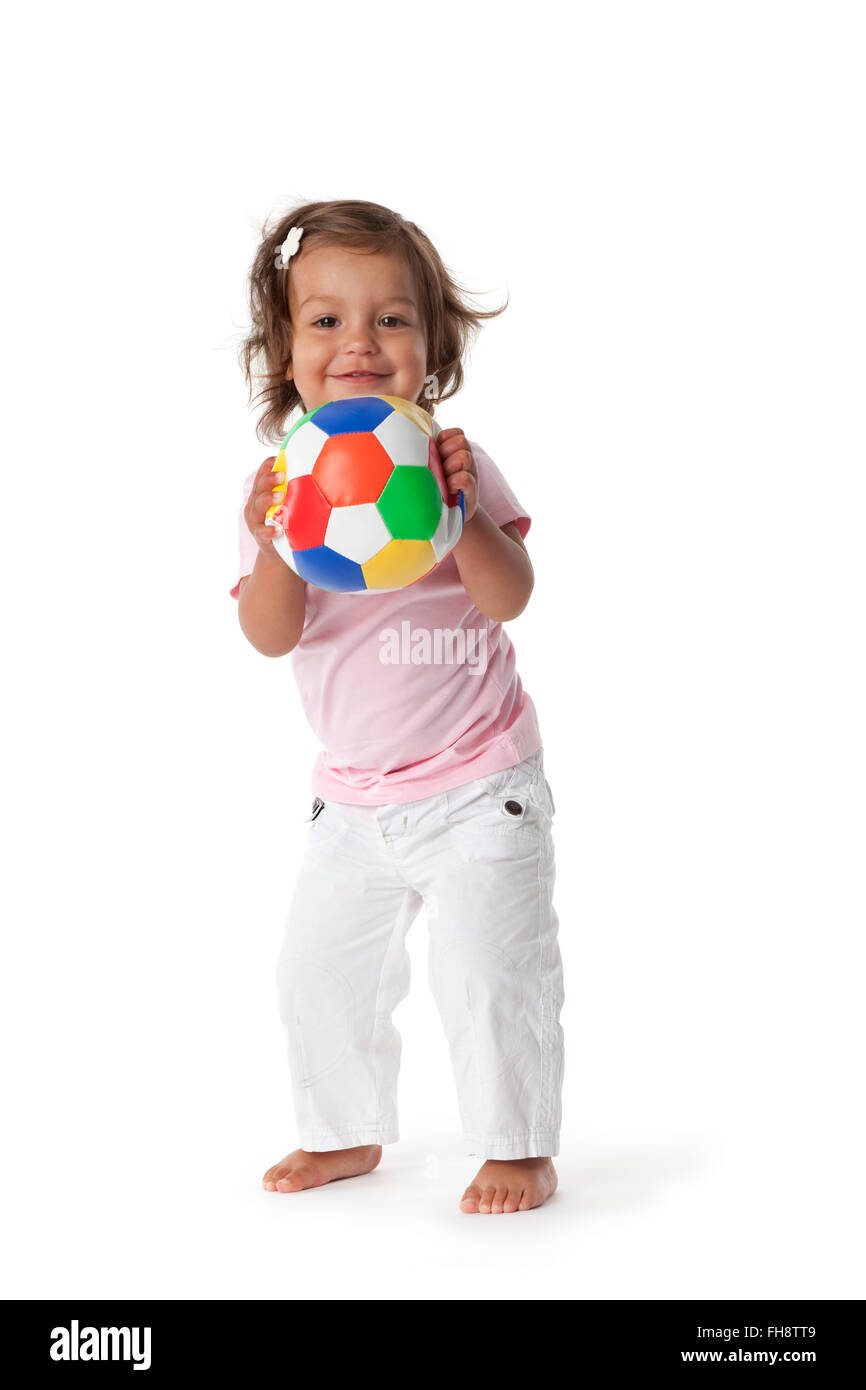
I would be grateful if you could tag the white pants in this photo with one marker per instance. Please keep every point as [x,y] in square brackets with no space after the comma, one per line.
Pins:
[480,859]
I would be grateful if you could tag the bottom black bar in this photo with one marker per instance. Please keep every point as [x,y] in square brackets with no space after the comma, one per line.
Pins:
[164,1337]
[248,1336]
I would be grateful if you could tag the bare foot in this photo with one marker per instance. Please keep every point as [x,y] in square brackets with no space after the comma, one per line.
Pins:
[514,1184]
[302,1169]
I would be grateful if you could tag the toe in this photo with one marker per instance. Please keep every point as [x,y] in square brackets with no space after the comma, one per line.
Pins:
[512,1200]
[487,1199]
[470,1199]
[276,1170]
[499,1197]
[294,1179]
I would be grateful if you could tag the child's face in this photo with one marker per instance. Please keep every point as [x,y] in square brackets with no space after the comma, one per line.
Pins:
[354,311]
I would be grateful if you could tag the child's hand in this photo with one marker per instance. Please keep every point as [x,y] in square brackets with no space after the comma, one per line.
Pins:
[460,469]
[263,495]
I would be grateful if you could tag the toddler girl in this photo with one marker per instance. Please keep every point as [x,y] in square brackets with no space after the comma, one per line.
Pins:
[430,790]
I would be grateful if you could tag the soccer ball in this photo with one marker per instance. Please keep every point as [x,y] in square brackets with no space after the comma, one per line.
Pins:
[366,507]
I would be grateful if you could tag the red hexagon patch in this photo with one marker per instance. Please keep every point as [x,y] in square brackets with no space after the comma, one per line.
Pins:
[309,513]
[351,469]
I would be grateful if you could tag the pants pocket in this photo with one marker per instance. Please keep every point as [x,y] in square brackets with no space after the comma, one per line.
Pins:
[324,823]
[547,795]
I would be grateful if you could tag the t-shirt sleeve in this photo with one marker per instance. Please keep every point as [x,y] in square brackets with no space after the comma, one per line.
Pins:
[494,494]
[247,548]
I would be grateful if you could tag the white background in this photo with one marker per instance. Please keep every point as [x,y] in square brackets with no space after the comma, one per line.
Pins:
[673,196]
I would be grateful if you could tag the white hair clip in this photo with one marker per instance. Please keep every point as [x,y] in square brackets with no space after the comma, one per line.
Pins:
[289,247]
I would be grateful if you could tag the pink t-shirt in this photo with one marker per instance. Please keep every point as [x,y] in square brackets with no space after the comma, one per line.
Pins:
[414,691]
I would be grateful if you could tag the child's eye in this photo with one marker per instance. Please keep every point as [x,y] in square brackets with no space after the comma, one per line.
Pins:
[330,317]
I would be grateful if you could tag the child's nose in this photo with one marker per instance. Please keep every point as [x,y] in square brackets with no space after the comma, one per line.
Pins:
[359,337]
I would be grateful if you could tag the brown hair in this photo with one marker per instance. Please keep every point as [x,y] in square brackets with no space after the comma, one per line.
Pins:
[266,351]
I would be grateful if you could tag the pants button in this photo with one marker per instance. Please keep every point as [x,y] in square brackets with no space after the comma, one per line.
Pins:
[514,808]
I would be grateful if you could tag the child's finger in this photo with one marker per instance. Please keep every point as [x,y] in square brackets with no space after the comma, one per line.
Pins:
[268,497]
[269,481]
[271,484]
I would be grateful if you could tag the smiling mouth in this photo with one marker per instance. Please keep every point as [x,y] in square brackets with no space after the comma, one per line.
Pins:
[359,376]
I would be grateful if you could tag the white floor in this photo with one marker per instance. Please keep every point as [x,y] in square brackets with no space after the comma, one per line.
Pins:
[151,1189]
[635,1220]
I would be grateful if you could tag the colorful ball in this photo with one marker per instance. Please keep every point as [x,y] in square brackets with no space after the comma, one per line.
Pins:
[366,507]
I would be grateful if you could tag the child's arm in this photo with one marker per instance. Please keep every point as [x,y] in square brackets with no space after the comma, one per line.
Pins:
[495,568]
[271,598]
[271,606]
